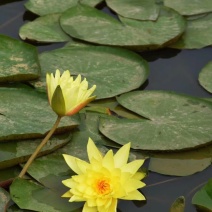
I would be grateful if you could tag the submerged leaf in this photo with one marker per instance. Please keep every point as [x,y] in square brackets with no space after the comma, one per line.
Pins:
[178,205]
[205,77]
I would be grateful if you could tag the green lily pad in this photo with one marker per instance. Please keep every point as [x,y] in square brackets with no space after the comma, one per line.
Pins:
[197,34]
[13,153]
[135,9]
[44,7]
[44,29]
[89,24]
[19,61]
[203,198]
[205,77]
[91,3]
[178,205]
[178,167]
[34,117]
[173,121]
[112,70]
[188,7]
[29,195]
[4,199]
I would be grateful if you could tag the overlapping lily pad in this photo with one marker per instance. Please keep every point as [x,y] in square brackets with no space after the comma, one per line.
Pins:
[205,77]
[112,70]
[135,9]
[188,7]
[44,7]
[89,24]
[197,34]
[19,61]
[91,3]
[44,29]
[173,121]
[27,114]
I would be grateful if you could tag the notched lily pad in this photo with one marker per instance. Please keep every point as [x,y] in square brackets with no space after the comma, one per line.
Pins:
[188,7]
[27,114]
[44,7]
[92,25]
[197,34]
[44,29]
[205,77]
[135,9]
[112,70]
[173,121]
[19,60]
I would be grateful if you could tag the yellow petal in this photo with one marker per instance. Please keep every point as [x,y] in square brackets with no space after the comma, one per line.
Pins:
[73,163]
[134,195]
[67,194]
[139,175]
[121,157]
[93,151]
[86,208]
[133,166]
[111,208]
[108,160]
[133,184]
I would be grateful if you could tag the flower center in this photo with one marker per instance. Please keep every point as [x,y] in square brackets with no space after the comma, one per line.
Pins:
[103,186]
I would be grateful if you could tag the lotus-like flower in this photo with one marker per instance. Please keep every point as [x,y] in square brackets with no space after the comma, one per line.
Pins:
[66,95]
[104,180]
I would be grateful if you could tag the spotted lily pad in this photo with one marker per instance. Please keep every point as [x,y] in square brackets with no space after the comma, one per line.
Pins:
[44,7]
[27,114]
[205,77]
[135,9]
[19,61]
[112,70]
[89,24]
[188,7]
[44,29]
[173,121]
[197,34]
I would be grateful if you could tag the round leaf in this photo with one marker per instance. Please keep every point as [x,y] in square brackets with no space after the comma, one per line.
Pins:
[19,61]
[205,77]
[173,121]
[188,7]
[27,114]
[90,24]
[44,29]
[112,70]
[197,34]
[91,3]
[44,7]
[135,9]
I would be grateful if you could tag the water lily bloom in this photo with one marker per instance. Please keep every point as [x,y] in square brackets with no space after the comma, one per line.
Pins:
[66,95]
[104,180]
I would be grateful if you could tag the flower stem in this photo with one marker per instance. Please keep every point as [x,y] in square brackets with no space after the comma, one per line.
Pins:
[39,147]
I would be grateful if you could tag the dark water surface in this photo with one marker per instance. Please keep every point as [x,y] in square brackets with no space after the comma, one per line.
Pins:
[170,69]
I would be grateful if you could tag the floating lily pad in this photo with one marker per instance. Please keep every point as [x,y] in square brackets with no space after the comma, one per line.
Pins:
[112,70]
[16,152]
[29,195]
[173,121]
[178,205]
[197,34]
[4,199]
[188,7]
[205,77]
[44,29]
[91,3]
[89,24]
[135,9]
[27,114]
[44,7]
[19,61]
[203,198]
[178,167]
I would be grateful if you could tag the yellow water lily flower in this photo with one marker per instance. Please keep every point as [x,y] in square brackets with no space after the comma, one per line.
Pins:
[66,95]
[104,180]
